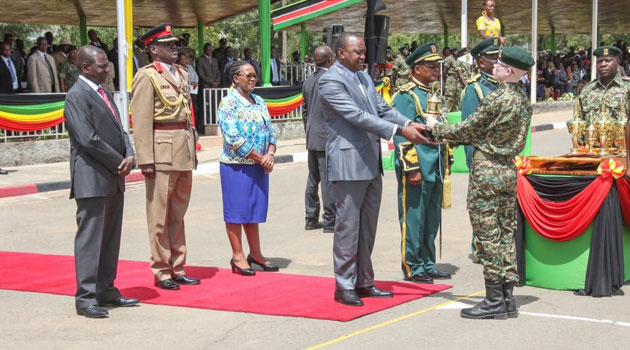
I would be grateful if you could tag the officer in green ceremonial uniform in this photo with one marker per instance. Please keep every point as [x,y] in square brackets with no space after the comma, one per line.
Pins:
[401,69]
[485,54]
[610,90]
[498,131]
[419,170]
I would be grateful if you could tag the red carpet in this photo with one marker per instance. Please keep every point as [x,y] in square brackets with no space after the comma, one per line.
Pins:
[266,293]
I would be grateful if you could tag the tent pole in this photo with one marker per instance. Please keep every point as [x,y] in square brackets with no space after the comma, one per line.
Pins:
[123,106]
[371,39]
[445,35]
[264,28]
[303,40]
[83,30]
[200,38]
[534,50]
[464,19]
[129,42]
[553,40]
[594,43]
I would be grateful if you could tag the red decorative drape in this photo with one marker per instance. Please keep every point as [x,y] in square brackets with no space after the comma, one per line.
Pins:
[562,221]
[623,187]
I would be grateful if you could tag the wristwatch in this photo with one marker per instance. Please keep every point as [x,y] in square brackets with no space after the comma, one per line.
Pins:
[398,131]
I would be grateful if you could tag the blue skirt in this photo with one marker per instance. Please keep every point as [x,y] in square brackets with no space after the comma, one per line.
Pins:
[245,189]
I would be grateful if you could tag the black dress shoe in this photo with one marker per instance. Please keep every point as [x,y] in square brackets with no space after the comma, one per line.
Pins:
[329,229]
[238,270]
[421,278]
[168,284]
[183,279]
[92,311]
[348,297]
[438,275]
[313,225]
[267,267]
[3,172]
[121,302]
[373,292]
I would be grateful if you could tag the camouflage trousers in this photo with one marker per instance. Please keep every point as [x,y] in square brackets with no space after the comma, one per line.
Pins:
[492,210]
[452,95]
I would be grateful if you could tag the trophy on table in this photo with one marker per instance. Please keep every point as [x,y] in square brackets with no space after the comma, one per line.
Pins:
[603,128]
[619,128]
[590,134]
[576,128]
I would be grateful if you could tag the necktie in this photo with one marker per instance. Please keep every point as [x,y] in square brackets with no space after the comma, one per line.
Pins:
[50,71]
[173,72]
[101,92]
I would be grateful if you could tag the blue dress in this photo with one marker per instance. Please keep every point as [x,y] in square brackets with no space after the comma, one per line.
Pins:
[245,127]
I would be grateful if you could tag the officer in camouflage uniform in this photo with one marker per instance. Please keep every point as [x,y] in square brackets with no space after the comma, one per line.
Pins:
[498,131]
[611,89]
[419,170]
[401,69]
[454,78]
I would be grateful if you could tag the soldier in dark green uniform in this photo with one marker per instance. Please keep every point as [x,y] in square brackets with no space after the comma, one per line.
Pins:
[498,131]
[419,172]
[479,86]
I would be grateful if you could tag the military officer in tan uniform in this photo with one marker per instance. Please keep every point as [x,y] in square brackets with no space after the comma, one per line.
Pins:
[165,147]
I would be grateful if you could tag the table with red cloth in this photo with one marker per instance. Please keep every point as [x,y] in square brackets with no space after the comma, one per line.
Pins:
[574,229]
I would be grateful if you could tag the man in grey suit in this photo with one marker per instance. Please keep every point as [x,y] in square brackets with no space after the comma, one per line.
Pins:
[207,68]
[100,158]
[357,117]
[316,134]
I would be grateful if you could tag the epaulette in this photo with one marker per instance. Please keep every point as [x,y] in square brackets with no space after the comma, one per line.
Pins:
[180,67]
[407,87]
[474,78]
[157,66]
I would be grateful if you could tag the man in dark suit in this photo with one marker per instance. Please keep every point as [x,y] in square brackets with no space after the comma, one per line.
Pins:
[96,41]
[357,118]
[316,134]
[276,76]
[100,158]
[112,56]
[9,78]
[207,68]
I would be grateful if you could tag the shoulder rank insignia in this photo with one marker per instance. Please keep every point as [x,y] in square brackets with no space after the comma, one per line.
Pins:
[408,157]
[474,78]
[407,87]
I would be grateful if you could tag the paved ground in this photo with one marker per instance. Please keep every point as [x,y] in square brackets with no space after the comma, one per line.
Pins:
[44,223]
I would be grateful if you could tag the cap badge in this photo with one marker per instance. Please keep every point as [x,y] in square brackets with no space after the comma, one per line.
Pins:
[433,49]
[495,42]
[605,51]
[168,28]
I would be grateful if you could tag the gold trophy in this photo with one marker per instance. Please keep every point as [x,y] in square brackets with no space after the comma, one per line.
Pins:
[619,127]
[576,128]
[590,135]
[602,129]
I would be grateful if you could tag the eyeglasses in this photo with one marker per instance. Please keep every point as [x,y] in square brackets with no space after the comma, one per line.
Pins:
[249,76]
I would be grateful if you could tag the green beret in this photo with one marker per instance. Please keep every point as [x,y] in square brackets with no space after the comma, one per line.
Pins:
[453,49]
[487,47]
[604,51]
[425,53]
[516,57]
[405,46]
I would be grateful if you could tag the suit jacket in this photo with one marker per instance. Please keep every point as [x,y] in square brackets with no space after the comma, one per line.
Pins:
[139,59]
[208,71]
[549,76]
[314,119]
[6,83]
[102,47]
[168,150]
[112,56]
[37,76]
[278,65]
[355,124]
[98,143]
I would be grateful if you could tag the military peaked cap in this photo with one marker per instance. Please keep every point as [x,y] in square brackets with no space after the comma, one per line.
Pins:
[604,51]
[425,53]
[488,46]
[160,34]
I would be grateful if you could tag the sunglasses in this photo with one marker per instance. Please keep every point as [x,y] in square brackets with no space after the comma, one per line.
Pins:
[249,76]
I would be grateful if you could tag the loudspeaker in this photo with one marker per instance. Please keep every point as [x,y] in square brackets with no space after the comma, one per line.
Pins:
[331,34]
[381,33]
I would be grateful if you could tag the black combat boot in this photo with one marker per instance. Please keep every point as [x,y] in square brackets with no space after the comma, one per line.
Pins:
[510,302]
[493,306]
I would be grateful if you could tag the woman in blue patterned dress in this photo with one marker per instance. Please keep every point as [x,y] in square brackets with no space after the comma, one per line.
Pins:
[249,144]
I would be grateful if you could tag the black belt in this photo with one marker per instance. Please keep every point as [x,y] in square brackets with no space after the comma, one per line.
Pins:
[170,126]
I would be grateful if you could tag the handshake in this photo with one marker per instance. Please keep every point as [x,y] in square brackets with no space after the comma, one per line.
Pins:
[416,133]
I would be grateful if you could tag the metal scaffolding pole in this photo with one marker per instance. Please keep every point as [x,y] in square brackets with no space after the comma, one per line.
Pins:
[123,106]
[464,39]
[264,28]
[594,42]
[533,74]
